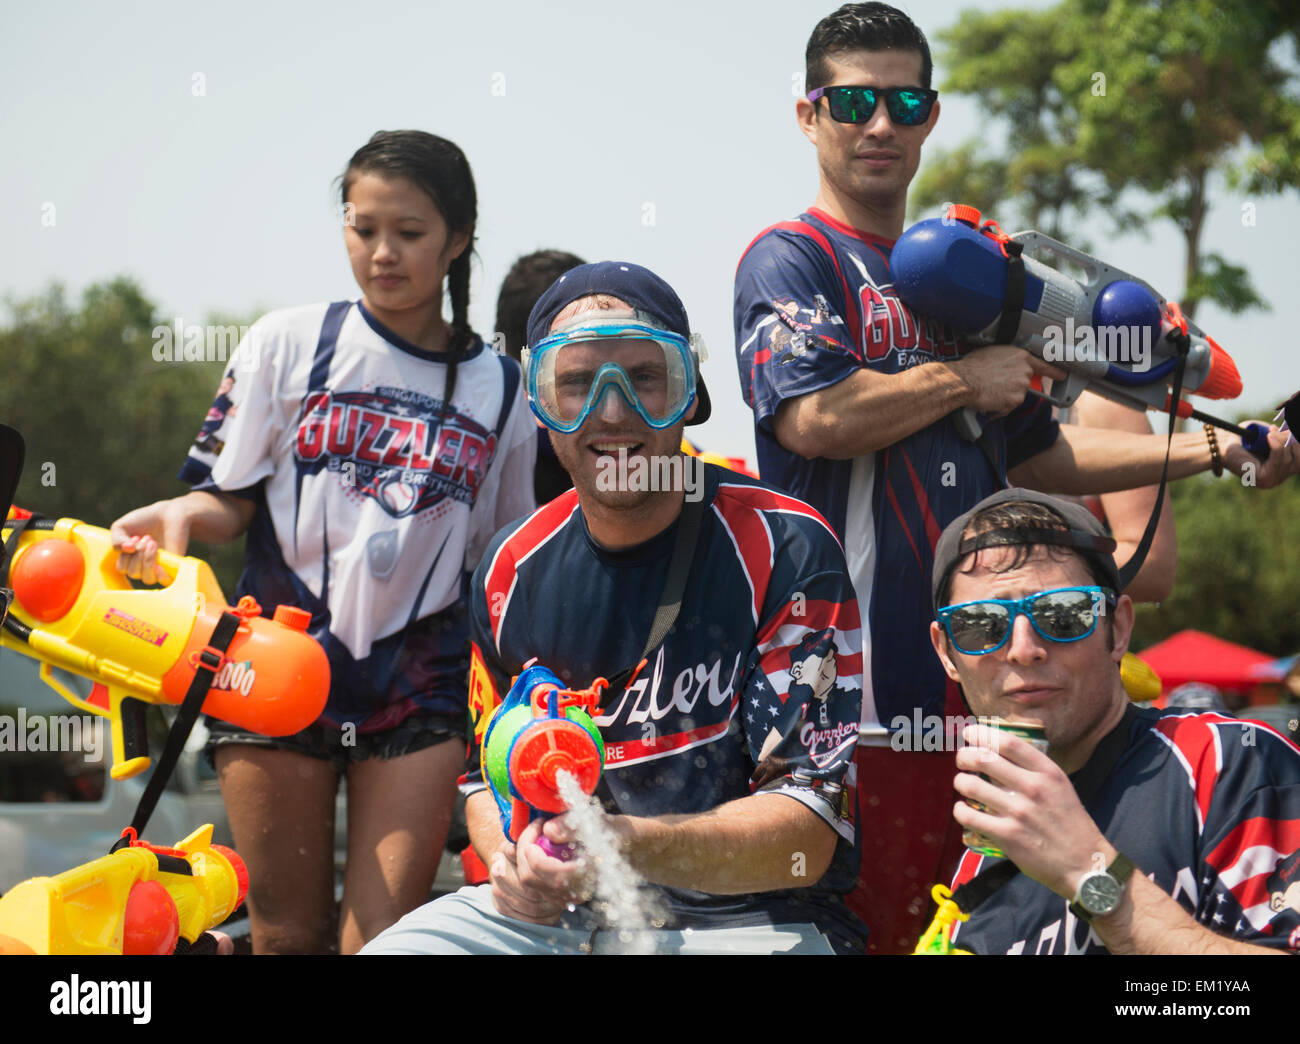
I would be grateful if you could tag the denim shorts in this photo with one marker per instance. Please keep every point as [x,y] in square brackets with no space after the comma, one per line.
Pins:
[346,746]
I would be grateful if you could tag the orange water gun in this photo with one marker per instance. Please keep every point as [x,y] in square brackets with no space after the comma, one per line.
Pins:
[72,609]
[139,900]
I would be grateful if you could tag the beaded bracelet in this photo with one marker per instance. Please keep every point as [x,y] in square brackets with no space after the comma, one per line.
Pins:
[1216,461]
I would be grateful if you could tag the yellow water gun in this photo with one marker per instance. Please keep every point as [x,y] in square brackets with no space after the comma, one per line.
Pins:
[74,610]
[140,899]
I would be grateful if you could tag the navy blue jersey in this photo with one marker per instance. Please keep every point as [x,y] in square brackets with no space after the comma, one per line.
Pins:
[767,617]
[1206,806]
[815,304]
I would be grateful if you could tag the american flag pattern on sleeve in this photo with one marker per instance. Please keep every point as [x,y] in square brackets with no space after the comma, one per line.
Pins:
[688,733]
[1208,807]
[814,306]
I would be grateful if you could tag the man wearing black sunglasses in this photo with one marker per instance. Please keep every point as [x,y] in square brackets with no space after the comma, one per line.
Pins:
[1137,831]
[847,419]
[852,395]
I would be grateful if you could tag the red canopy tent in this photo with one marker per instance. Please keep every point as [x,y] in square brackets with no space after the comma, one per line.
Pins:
[1194,656]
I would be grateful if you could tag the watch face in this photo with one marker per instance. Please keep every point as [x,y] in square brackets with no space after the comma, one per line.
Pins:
[1099,893]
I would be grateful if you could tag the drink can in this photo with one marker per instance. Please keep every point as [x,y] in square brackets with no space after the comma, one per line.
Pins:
[1035,736]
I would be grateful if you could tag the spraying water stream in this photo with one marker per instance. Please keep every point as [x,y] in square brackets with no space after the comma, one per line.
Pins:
[620,894]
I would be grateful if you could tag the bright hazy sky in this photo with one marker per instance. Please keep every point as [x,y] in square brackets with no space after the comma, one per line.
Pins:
[662,134]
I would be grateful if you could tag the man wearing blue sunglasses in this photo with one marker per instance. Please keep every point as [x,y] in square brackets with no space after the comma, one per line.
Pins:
[852,394]
[1138,831]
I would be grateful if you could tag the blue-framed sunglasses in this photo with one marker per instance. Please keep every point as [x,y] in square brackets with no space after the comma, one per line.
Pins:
[907,106]
[1063,614]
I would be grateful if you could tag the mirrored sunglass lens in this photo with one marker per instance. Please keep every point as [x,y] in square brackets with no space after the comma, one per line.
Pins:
[908,107]
[1063,615]
[975,628]
[852,104]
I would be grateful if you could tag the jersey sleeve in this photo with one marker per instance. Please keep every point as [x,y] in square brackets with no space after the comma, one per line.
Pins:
[791,333]
[233,450]
[489,678]
[803,692]
[1248,793]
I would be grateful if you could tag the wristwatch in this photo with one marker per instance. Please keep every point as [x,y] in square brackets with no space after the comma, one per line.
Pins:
[1100,891]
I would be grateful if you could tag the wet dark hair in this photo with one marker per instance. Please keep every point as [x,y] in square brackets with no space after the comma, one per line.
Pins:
[529,277]
[440,170]
[1021,516]
[863,27]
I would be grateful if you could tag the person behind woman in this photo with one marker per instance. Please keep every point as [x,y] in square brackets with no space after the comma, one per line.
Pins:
[370,449]
[529,277]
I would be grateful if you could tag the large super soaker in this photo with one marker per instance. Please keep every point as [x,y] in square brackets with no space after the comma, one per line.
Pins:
[992,288]
[540,730]
[73,610]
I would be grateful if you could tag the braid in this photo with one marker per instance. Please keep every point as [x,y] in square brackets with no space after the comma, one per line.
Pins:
[458,343]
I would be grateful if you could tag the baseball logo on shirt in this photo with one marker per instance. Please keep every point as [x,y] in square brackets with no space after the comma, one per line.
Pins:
[396,450]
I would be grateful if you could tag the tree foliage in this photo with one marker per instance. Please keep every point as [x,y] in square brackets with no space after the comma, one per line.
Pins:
[106,426]
[1127,109]
[1238,566]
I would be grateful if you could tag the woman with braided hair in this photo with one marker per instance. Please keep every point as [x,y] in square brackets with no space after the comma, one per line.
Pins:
[370,449]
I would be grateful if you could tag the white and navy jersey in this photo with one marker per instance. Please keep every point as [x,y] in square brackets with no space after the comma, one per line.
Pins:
[1206,806]
[375,497]
[814,305]
[755,687]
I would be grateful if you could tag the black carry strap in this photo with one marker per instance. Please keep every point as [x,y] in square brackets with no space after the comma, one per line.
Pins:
[209,662]
[1130,568]
[670,602]
[1087,782]
[1013,301]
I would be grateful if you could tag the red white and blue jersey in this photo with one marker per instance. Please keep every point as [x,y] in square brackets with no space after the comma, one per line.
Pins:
[815,304]
[755,687]
[1206,806]
[374,501]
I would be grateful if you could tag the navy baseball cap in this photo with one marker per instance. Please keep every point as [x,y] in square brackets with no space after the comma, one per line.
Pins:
[1084,534]
[639,287]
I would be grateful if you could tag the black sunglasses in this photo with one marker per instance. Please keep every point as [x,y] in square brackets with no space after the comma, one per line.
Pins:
[908,106]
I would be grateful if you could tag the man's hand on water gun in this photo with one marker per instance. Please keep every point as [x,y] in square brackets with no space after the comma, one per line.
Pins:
[999,377]
[547,865]
[530,885]
[1283,459]
[140,533]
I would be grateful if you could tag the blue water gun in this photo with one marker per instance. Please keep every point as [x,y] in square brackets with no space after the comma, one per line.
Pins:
[1111,332]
